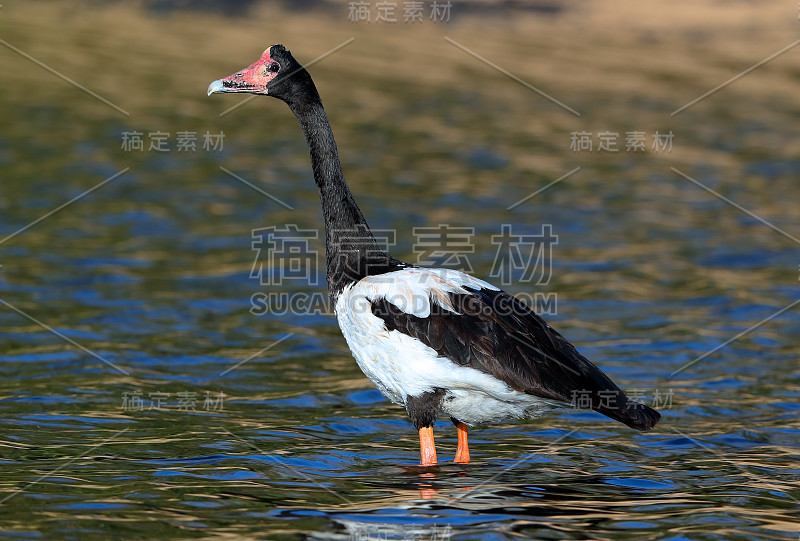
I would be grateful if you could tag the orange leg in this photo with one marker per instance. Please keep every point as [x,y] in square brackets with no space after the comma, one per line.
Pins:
[427,449]
[462,454]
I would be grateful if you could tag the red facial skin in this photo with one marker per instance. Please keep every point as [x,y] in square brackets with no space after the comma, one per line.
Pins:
[253,78]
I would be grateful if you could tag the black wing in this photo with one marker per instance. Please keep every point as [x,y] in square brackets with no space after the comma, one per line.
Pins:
[498,334]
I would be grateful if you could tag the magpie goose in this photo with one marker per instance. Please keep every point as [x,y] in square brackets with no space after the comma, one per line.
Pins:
[432,340]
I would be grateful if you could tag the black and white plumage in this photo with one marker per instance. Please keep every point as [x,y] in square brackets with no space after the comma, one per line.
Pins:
[413,332]
[417,329]
[436,341]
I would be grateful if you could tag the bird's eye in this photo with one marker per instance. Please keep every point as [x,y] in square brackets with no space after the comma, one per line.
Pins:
[273,67]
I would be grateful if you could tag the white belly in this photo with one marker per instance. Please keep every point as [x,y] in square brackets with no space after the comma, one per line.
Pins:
[477,407]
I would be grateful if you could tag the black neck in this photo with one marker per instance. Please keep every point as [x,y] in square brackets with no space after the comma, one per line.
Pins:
[351,249]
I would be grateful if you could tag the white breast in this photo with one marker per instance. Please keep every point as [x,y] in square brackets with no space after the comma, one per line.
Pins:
[400,366]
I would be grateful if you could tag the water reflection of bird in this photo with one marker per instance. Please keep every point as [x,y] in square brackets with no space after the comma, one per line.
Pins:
[432,340]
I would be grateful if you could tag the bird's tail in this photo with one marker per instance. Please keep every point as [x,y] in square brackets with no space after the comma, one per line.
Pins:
[631,413]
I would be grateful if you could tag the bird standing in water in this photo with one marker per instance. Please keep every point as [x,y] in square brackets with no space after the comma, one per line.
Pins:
[432,340]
